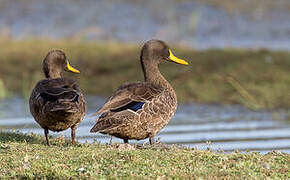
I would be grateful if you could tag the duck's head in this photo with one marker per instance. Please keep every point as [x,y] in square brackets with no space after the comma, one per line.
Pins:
[157,51]
[153,53]
[55,63]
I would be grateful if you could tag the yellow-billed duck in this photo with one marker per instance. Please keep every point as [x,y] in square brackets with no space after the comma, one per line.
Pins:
[56,103]
[140,110]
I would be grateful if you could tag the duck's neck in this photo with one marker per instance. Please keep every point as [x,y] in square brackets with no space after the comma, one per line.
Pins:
[53,74]
[153,75]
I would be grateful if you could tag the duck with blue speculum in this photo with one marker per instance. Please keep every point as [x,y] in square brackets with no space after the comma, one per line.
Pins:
[56,102]
[140,110]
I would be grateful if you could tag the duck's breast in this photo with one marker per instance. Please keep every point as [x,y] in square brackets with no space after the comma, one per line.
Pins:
[157,113]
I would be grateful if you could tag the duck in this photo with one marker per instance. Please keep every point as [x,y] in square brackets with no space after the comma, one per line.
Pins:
[56,102]
[139,110]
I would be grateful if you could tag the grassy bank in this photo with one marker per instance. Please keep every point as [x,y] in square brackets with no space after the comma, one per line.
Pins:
[35,159]
[255,78]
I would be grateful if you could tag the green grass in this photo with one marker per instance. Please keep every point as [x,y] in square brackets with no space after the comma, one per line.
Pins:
[254,78]
[27,156]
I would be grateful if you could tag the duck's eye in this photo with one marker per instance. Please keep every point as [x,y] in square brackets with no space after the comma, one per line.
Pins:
[166,52]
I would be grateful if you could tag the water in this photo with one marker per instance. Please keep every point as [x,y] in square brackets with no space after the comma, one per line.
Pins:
[217,127]
[180,22]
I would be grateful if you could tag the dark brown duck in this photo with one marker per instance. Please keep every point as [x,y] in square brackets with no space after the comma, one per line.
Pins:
[140,110]
[56,103]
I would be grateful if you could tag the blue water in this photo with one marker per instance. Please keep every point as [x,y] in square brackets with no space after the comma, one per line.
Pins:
[186,23]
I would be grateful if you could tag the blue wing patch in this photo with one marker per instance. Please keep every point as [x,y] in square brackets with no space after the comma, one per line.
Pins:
[136,106]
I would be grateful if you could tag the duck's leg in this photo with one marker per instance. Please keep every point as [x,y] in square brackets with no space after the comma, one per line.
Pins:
[151,140]
[73,134]
[111,140]
[126,141]
[46,136]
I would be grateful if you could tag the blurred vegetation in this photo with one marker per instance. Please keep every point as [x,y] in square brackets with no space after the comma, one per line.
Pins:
[255,78]
[27,157]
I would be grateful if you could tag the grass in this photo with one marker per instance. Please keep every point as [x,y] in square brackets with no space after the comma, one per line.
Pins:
[255,78]
[27,156]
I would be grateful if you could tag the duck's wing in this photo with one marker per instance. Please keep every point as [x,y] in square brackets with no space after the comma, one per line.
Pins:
[130,96]
[55,94]
[119,110]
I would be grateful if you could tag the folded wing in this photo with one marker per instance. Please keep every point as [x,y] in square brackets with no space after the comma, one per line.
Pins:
[130,96]
[56,95]
[120,108]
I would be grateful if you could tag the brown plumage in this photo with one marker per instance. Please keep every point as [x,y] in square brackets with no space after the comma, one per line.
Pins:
[140,110]
[56,103]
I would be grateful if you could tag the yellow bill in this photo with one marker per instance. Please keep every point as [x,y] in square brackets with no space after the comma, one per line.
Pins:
[176,59]
[71,69]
